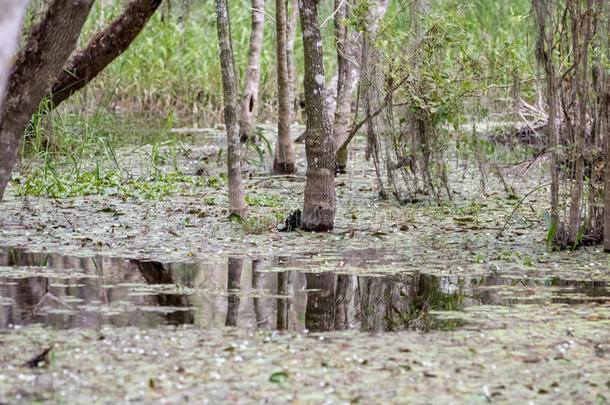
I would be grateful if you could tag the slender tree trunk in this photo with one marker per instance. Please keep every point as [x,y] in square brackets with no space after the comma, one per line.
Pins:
[284,158]
[290,34]
[370,74]
[105,47]
[605,119]
[581,27]
[319,207]
[544,18]
[49,46]
[11,20]
[347,75]
[233,284]
[249,101]
[237,200]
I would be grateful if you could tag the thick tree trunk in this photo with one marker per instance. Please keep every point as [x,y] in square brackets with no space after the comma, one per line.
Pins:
[233,286]
[103,49]
[249,101]
[48,47]
[284,158]
[11,20]
[319,207]
[237,200]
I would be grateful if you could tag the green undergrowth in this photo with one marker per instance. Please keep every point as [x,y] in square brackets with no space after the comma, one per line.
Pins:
[110,183]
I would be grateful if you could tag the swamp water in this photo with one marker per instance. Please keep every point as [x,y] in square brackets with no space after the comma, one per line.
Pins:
[268,293]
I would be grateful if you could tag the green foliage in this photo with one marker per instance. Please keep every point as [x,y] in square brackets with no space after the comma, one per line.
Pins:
[551,227]
[264,200]
[50,182]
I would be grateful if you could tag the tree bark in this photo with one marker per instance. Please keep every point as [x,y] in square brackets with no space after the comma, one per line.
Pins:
[237,200]
[284,158]
[49,46]
[11,20]
[249,102]
[103,49]
[319,206]
[347,75]
[605,118]
[581,28]
[290,34]
[544,18]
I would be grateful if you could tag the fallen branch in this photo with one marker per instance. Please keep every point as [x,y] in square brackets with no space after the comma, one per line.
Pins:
[501,231]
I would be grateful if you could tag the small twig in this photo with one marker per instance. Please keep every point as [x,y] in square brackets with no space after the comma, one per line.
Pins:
[501,231]
[359,125]
[265,13]
[332,15]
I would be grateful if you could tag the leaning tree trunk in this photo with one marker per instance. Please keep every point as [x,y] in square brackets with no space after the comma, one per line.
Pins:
[237,200]
[249,101]
[284,158]
[319,207]
[10,31]
[103,49]
[45,53]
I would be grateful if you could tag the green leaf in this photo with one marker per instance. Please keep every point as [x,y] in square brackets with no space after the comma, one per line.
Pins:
[236,219]
[581,232]
[278,377]
[547,219]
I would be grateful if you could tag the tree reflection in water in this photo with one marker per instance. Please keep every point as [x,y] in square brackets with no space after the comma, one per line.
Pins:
[67,292]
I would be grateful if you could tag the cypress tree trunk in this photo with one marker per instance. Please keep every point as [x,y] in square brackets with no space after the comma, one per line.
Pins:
[319,207]
[237,200]
[49,46]
[103,49]
[284,158]
[11,20]
[249,102]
